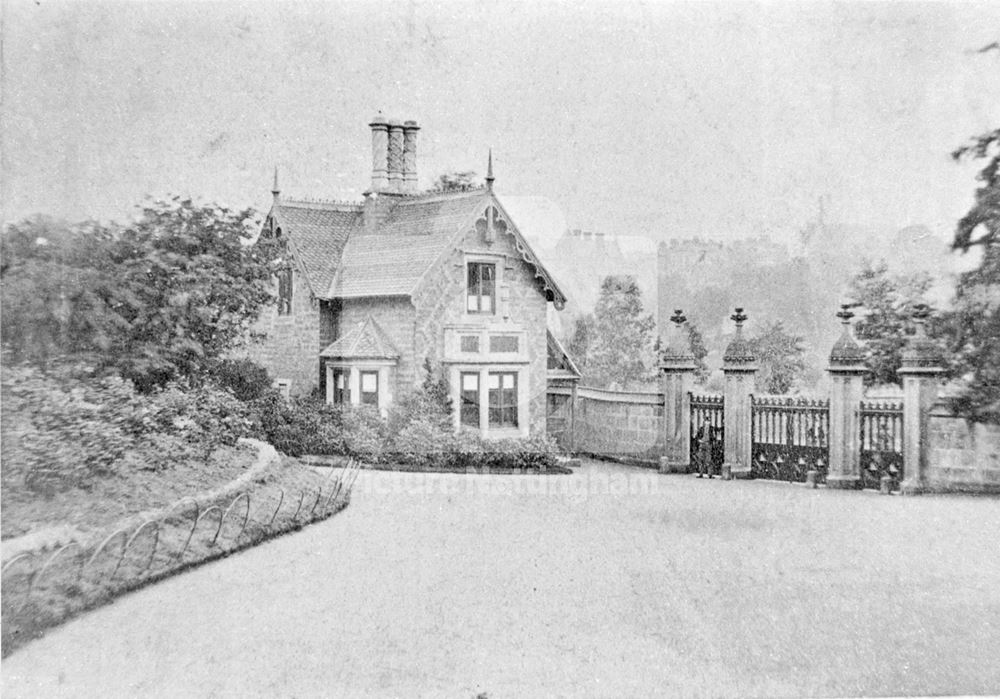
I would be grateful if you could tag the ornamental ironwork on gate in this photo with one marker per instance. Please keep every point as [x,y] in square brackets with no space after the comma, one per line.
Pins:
[790,437]
[707,431]
[881,443]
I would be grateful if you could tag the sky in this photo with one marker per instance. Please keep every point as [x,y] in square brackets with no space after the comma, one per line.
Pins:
[720,120]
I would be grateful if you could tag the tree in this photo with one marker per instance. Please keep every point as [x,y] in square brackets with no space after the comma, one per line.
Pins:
[581,341]
[623,336]
[698,349]
[58,292]
[164,297]
[888,301]
[780,355]
[973,326]
[455,181]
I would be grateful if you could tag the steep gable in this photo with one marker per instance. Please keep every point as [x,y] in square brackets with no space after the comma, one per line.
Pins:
[366,341]
[343,258]
[318,232]
[392,260]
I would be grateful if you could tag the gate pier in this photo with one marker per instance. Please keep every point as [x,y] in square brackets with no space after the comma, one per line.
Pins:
[677,367]
[847,370]
[921,371]
[739,364]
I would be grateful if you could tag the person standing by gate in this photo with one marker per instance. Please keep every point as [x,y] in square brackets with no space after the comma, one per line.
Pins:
[704,458]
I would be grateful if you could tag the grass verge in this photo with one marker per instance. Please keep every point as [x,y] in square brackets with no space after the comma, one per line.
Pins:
[43,591]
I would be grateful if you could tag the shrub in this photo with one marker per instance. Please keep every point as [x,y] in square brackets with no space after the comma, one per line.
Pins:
[66,425]
[246,379]
[366,434]
[61,430]
[418,433]
[533,453]
[300,425]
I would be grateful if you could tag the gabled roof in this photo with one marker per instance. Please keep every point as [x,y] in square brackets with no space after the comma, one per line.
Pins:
[342,258]
[409,240]
[560,364]
[318,232]
[366,341]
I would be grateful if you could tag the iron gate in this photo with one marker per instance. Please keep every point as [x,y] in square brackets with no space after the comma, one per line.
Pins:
[881,443]
[790,436]
[707,429]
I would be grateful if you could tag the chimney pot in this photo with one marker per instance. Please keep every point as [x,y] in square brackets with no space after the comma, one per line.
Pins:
[409,180]
[395,156]
[380,147]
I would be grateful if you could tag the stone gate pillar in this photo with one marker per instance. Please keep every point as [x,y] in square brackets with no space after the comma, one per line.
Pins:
[921,371]
[677,367]
[847,370]
[739,364]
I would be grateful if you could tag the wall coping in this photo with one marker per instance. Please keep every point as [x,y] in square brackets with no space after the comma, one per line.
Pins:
[601,394]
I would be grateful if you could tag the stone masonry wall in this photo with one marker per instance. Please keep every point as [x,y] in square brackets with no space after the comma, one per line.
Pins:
[395,316]
[441,301]
[963,455]
[291,348]
[619,424]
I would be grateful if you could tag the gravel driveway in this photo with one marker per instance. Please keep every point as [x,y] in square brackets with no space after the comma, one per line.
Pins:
[451,585]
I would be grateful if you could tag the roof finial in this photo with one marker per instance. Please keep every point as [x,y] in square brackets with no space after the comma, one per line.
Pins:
[275,189]
[489,172]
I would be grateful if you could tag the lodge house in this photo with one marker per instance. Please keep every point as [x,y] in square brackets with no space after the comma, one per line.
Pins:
[373,290]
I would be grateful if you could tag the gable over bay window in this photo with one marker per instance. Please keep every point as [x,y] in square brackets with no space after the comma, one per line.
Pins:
[360,367]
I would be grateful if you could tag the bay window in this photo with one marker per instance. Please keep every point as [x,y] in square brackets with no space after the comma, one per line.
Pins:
[503,399]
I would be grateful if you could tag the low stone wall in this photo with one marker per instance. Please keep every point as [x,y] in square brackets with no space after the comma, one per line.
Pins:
[622,425]
[963,456]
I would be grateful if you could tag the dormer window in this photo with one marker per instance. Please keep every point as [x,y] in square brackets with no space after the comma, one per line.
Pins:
[481,288]
[285,291]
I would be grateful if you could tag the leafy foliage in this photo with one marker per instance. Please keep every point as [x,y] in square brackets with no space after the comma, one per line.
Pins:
[159,299]
[246,379]
[418,434]
[698,349]
[888,301]
[622,348]
[455,181]
[780,355]
[300,425]
[582,340]
[981,224]
[973,325]
[65,426]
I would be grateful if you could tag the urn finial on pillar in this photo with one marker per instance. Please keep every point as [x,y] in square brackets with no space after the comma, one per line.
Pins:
[847,369]
[676,352]
[677,367]
[922,368]
[739,364]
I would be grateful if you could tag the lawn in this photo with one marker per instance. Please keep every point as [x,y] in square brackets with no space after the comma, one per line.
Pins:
[130,490]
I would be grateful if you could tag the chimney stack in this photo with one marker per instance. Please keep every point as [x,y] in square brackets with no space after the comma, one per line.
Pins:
[410,129]
[380,148]
[395,156]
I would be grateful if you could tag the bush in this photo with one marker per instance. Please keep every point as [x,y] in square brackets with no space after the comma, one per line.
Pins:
[247,380]
[534,453]
[67,425]
[205,417]
[60,430]
[418,433]
[300,425]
